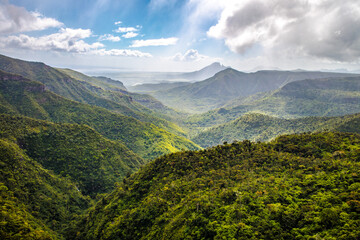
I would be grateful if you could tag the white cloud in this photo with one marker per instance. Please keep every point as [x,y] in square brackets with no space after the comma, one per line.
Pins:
[109,37]
[67,40]
[189,56]
[324,29]
[126,29]
[155,42]
[120,52]
[118,22]
[130,35]
[15,19]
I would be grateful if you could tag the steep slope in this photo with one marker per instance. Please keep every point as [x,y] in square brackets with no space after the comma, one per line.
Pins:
[296,187]
[229,84]
[53,79]
[102,82]
[91,161]
[23,96]
[259,127]
[35,204]
[317,97]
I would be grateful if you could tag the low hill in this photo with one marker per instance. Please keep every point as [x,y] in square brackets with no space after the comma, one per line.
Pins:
[317,97]
[19,95]
[260,127]
[296,187]
[230,84]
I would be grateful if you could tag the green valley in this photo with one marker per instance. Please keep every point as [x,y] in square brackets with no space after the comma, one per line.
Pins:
[260,127]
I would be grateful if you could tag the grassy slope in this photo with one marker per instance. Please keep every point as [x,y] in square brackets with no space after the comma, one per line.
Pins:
[259,127]
[296,187]
[29,98]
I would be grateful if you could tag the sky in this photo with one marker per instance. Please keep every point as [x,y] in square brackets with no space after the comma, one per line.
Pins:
[183,35]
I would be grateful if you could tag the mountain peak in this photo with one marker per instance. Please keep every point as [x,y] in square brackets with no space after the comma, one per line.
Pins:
[205,72]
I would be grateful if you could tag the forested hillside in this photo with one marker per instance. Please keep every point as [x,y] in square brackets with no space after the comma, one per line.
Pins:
[302,186]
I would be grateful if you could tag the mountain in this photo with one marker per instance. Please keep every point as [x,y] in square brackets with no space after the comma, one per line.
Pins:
[230,84]
[317,97]
[295,187]
[19,95]
[106,93]
[260,127]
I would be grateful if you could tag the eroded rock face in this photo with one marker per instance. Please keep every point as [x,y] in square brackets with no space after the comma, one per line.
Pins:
[39,88]
[34,87]
[12,77]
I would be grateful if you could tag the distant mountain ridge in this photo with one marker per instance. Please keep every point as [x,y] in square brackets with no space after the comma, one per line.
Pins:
[314,97]
[230,84]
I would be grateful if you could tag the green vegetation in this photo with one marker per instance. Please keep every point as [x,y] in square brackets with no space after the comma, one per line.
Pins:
[259,127]
[67,140]
[302,186]
[21,96]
